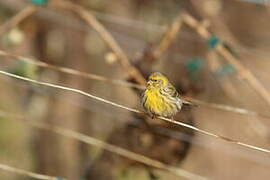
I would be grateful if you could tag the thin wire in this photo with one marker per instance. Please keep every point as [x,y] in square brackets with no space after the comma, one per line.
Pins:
[168,133]
[136,111]
[128,84]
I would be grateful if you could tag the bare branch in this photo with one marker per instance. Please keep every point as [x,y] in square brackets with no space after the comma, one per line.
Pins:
[168,38]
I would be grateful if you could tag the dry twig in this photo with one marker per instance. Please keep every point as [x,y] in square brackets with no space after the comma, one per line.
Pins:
[168,38]
[137,111]
[107,37]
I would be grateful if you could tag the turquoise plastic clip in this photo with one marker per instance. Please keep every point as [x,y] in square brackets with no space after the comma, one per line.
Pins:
[40,2]
[194,64]
[213,41]
[226,69]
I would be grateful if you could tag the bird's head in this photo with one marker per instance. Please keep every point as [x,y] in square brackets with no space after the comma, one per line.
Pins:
[157,80]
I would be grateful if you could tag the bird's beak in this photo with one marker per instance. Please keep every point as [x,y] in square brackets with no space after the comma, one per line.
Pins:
[148,83]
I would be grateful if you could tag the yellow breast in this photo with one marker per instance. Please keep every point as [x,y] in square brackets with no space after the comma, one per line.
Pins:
[154,102]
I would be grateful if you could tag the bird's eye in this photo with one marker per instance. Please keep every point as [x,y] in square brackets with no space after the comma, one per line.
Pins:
[154,80]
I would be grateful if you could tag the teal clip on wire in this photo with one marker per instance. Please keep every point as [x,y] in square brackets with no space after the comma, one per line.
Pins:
[193,67]
[226,69]
[40,2]
[213,41]
[194,64]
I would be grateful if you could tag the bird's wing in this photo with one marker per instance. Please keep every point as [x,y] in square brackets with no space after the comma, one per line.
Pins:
[170,90]
[173,93]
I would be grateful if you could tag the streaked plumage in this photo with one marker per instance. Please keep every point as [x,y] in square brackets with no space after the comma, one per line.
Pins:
[160,97]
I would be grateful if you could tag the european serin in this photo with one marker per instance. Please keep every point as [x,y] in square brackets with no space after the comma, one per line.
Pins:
[160,98]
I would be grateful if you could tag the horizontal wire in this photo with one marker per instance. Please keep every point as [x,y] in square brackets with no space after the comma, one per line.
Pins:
[137,111]
[109,147]
[128,84]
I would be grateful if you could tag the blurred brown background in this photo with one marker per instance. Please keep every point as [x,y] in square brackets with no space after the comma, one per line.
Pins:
[60,37]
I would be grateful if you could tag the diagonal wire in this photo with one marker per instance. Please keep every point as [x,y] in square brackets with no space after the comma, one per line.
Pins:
[177,135]
[137,111]
[128,84]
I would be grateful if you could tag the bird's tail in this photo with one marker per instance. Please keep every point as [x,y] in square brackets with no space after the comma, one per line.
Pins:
[185,102]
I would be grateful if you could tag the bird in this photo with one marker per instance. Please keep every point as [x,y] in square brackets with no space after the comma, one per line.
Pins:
[160,98]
